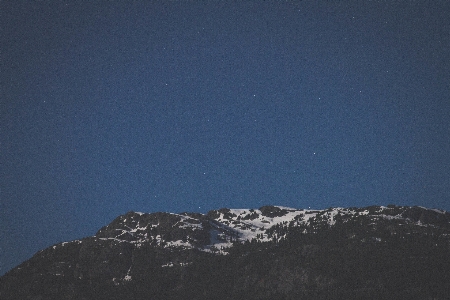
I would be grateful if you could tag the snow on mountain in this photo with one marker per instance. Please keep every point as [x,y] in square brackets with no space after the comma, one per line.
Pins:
[143,250]
[219,229]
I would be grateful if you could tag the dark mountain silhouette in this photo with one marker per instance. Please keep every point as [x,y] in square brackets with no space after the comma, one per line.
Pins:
[393,252]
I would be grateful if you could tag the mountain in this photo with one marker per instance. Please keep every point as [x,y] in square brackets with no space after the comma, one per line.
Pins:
[274,252]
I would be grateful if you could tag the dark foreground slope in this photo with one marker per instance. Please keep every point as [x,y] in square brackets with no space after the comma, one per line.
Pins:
[375,252]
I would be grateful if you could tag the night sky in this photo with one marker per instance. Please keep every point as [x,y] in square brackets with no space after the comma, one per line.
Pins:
[114,106]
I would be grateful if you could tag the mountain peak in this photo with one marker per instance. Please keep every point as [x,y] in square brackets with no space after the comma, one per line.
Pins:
[282,251]
[219,229]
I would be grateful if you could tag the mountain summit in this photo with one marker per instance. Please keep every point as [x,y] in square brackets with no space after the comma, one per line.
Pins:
[273,252]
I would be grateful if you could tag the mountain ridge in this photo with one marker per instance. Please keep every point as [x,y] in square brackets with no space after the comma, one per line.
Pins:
[225,224]
[137,249]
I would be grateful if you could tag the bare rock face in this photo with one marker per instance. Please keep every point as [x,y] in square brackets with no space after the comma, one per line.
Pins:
[267,253]
[157,229]
[273,211]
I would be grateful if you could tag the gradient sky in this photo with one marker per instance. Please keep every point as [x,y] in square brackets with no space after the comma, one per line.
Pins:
[113,106]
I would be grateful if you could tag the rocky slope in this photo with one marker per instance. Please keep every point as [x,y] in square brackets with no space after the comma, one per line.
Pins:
[265,253]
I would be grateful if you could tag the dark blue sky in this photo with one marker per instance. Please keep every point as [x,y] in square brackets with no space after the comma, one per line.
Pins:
[174,106]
